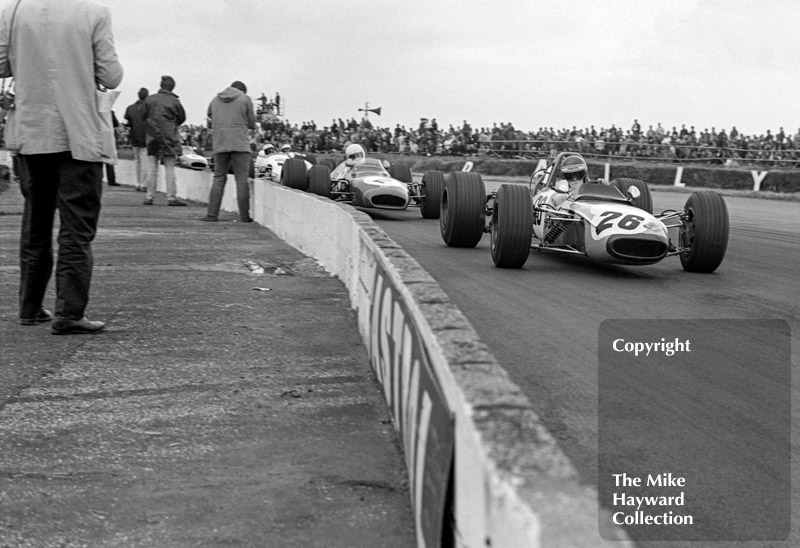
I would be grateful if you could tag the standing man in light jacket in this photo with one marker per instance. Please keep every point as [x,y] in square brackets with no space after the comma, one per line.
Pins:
[58,51]
[231,117]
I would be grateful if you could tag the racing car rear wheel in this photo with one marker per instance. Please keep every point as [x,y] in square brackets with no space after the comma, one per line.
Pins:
[319,181]
[330,162]
[461,216]
[704,232]
[511,226]
[293,174]
[645,199]
[401,172]
[432,189]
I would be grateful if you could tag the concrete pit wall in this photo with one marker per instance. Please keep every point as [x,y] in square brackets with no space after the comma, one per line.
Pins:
[483,471]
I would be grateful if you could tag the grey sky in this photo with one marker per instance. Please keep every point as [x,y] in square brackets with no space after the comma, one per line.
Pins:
[533,63]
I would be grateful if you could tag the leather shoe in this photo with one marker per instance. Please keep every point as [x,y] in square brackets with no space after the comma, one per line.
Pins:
[209,218]
[84,326]
[43,316]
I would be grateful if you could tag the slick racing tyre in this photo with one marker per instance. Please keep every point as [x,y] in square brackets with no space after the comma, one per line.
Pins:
[704,232]
[645,199]
[319,181]
[330,162]
[401,172]
[432,189]
[511,226]
[293,174]
[462,211]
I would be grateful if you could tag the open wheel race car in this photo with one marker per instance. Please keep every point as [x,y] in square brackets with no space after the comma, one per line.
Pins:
[190,158]
[367,182]
[610,223]
[268,164]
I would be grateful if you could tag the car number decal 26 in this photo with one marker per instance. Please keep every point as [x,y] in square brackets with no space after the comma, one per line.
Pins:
[615,219]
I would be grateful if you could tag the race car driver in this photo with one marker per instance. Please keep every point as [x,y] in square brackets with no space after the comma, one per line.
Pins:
[354,152]
[573,171]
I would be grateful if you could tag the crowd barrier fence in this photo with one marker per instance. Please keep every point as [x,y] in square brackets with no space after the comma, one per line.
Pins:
[776,157]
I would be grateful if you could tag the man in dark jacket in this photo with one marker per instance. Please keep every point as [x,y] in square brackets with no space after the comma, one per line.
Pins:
[163,114]
[134,118]
[231,117]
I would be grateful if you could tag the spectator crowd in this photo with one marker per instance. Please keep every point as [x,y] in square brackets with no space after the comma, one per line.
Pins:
[505,141]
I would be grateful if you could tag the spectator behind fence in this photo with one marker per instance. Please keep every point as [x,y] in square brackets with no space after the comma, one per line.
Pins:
[163,114]
[137,128]
[231,117]
[503,140]
[56,129]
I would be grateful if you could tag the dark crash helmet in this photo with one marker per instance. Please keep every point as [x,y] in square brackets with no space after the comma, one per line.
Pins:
[573,168]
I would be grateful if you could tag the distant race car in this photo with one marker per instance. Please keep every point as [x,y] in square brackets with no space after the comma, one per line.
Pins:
[189,158]
[610,223]
[369,183]
[269,162]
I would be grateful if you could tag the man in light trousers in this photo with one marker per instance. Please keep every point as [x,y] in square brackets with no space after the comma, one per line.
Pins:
[164,115]
[138,137]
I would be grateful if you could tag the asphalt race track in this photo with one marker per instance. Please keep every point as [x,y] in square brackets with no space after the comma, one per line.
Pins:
[541,322]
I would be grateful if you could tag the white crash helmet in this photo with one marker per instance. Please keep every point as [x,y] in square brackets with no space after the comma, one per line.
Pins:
[355,151]
[573,168]
[269,148]
[286,148]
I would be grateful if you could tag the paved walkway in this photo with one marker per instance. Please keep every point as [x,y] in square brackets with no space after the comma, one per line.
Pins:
[229,403]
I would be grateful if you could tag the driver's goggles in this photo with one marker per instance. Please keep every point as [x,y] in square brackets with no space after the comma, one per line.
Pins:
[575,175]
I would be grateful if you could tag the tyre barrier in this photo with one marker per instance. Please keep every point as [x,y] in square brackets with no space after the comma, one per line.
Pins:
[483,470]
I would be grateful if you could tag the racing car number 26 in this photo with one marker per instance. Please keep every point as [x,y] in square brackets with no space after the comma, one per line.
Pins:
[610,219]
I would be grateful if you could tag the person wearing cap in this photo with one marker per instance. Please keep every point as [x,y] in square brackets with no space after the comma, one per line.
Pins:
[231,117]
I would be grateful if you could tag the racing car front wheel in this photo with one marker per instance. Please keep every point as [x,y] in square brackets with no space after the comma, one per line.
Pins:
[432,189]
[293,174]
[401,172]
[461,214]
[704,232]
[511,226]
[645,199]
[319,181]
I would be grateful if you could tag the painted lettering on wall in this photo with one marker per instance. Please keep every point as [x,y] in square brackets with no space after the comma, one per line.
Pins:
[416,402]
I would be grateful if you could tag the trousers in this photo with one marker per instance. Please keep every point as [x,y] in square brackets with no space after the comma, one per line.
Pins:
[169,174]
[51,182]
[223,162]
[142,168]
